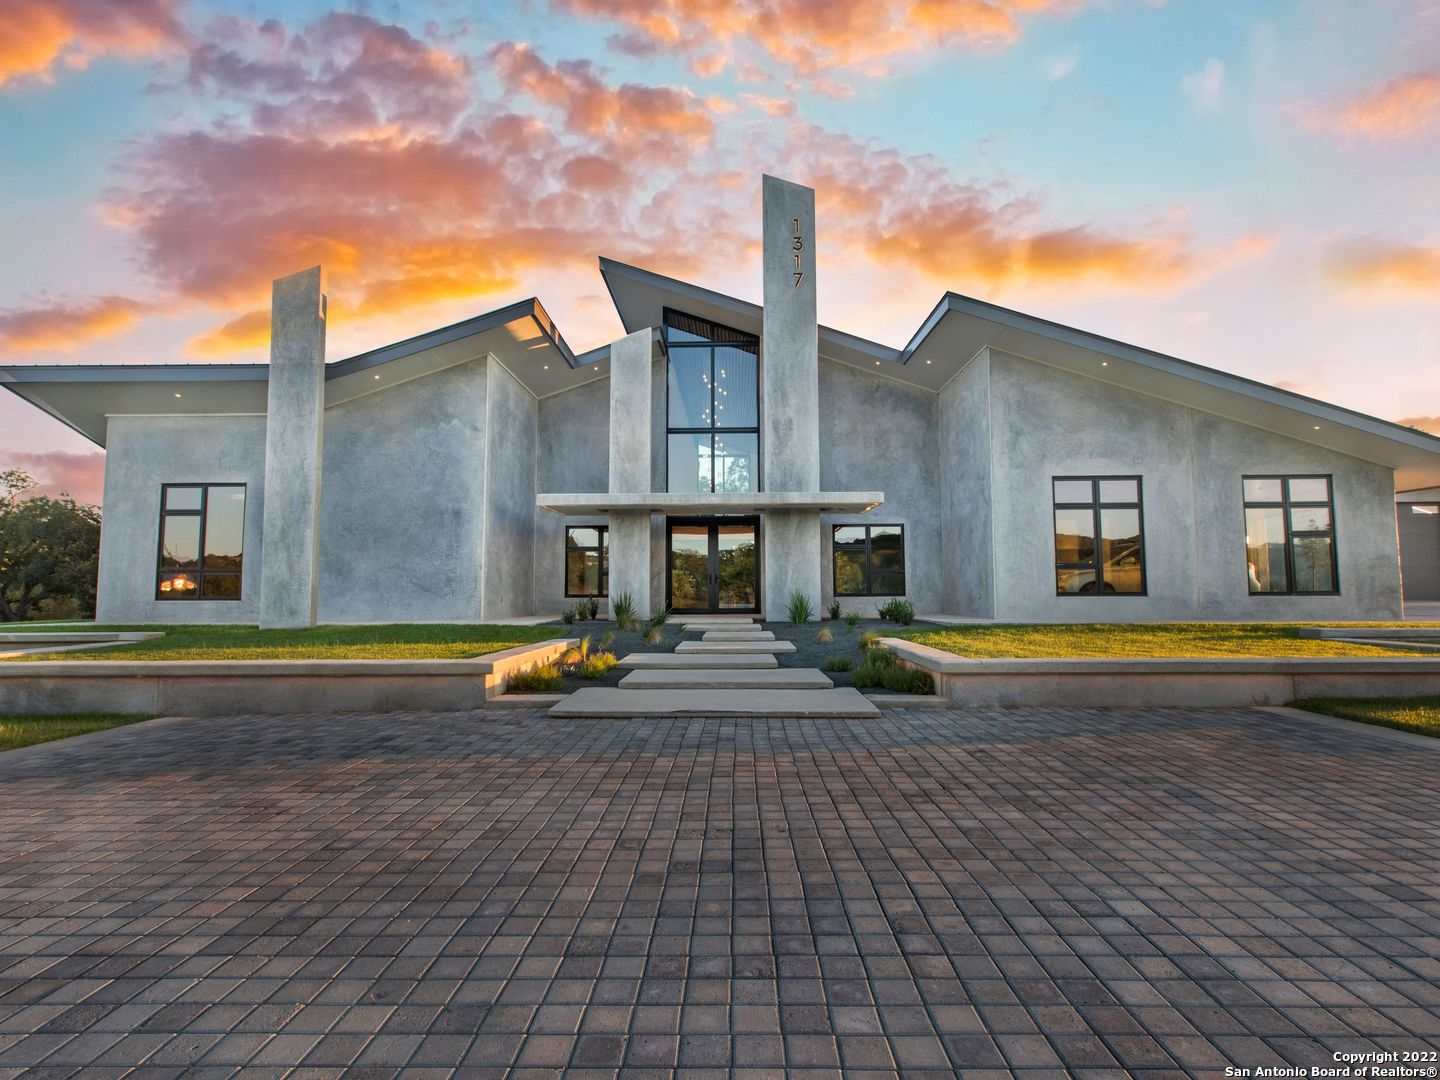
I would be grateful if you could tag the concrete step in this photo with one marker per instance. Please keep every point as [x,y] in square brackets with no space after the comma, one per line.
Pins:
[595,702]
[738,635]
[664,661]
[908,701]
[727,679]
[735,647]
[721,620]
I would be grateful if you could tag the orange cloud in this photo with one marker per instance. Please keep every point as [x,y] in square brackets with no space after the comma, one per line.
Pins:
[1379,266]
[1402,109]
[81,476]
[63,326]
[811,37]
[36,36]
[1424,423]
[241,334]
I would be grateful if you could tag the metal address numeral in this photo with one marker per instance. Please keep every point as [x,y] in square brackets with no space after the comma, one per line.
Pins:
[799,247]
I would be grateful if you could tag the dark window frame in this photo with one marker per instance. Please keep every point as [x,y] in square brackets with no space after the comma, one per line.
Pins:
[1096,506]
[603,551]
[869,558]
[1285,505]
[721,337]
[199,572]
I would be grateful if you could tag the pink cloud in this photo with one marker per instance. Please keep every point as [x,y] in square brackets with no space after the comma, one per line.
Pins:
[1402,109]
[37,36]
[81,476]
[65,325]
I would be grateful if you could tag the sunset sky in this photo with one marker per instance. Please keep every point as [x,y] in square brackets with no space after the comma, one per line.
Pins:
[1250,185]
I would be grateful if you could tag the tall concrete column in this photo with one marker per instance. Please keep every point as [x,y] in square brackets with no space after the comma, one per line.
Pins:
[790,399]
[294,435]
[631,400]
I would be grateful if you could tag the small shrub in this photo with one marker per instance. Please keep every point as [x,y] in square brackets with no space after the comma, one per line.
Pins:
[897,610]
[869,638]
[907,680]
[870,671]
[655,635]
[545,679]
[837,663]
[824,635]
[577,654]
[834,609]
[596,665]
[606,640]
[800,609]
[661,617]
[851,621]
[590,609]
[568,616]
[622,610]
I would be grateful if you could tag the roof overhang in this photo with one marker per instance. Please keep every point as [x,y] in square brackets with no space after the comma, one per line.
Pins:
[729,502]
[520,336]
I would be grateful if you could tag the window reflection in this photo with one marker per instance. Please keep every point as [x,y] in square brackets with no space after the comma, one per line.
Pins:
[868,560]
[1099,536]
[1289,535]
[202,541]
[713,437]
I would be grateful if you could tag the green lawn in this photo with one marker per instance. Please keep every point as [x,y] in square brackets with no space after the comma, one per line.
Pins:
[25,730]
[1101,640]
[399,641]
[1420,714]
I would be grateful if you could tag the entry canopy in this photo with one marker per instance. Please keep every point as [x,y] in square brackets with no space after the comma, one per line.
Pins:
[727,502]
[959,328]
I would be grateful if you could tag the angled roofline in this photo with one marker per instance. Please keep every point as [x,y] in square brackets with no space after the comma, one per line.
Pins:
[1150,358]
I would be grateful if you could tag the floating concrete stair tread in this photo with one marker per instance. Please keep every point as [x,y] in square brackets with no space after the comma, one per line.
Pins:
[735,647]
[738,635]
[669,661]
[776,678]
[610,701]
[732,627]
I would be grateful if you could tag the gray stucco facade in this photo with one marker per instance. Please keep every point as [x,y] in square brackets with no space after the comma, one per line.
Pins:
[452,468]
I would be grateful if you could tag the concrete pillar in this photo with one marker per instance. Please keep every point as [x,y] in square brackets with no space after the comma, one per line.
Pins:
[792,560]
[630,558]
[294,434]
[631,402]
[630,412]
[790,360]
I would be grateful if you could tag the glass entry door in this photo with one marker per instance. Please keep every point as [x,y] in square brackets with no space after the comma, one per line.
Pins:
[714,564]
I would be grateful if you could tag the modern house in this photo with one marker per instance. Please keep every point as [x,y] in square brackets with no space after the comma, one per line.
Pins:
[724,456]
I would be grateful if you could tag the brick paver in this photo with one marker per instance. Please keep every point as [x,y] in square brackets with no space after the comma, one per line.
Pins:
[1028,892]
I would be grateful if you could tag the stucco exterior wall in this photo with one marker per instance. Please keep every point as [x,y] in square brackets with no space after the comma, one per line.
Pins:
[401,501]
[143,452]
[1048,423]
[507,553]
[882,435]
[966,544]
[572,453]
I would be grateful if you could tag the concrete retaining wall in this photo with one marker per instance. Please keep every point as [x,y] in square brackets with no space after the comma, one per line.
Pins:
[1167,681]
[223,687]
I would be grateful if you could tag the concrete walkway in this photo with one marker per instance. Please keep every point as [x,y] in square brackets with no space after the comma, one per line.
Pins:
[731,671]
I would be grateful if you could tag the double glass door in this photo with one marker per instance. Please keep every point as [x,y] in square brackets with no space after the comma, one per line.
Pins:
[714,564]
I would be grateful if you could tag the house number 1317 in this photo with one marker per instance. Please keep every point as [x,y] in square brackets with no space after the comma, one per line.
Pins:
[798,247]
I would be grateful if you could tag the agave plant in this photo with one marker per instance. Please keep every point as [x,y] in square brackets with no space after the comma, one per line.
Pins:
[800,609]
[622,610]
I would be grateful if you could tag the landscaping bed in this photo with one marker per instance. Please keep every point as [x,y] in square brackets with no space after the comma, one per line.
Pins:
[1419,714]
[397,641]
[27,729]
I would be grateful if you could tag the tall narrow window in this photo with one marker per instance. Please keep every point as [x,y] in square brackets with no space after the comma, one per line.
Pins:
[713,411]
[202,540]
[587,560]
[869,560]
[1290,535]
[1099,536]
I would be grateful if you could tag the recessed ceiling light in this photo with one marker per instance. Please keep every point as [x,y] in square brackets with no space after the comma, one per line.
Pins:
[1104,363]
[1317,426]
[929,361]
[177,395]
[877,363]
[377,376]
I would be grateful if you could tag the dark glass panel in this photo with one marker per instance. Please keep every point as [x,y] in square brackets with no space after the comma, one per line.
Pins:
[1074,536]
[1263,490]
[1121,551]
[1265,550]
[1310,489]
[689,383]
[734,463]
[887,582]
[1314,564]
[736,388]
[1310,519]
[582,573]
[1119,491]
[736,555]
[689,567]
[689,463]
[1074,491]
[224,528]
[220,587]
[180,541]
[182,498]
[583,536]
[179,586]
[681,328]
[849,571]
[850,534]
[1072,580]
[887,549]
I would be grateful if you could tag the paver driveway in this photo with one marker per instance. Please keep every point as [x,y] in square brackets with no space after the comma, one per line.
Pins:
[1047,890]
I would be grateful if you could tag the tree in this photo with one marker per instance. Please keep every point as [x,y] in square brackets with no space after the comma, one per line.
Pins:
[49,548]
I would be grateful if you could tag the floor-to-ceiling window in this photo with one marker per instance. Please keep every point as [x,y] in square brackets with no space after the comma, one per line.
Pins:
[713,406]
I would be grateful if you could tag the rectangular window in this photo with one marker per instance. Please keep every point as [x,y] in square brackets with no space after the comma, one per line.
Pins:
[1290,535]
[202,541]
[713,406]
[1099,536]
[869,560]
[587,560]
